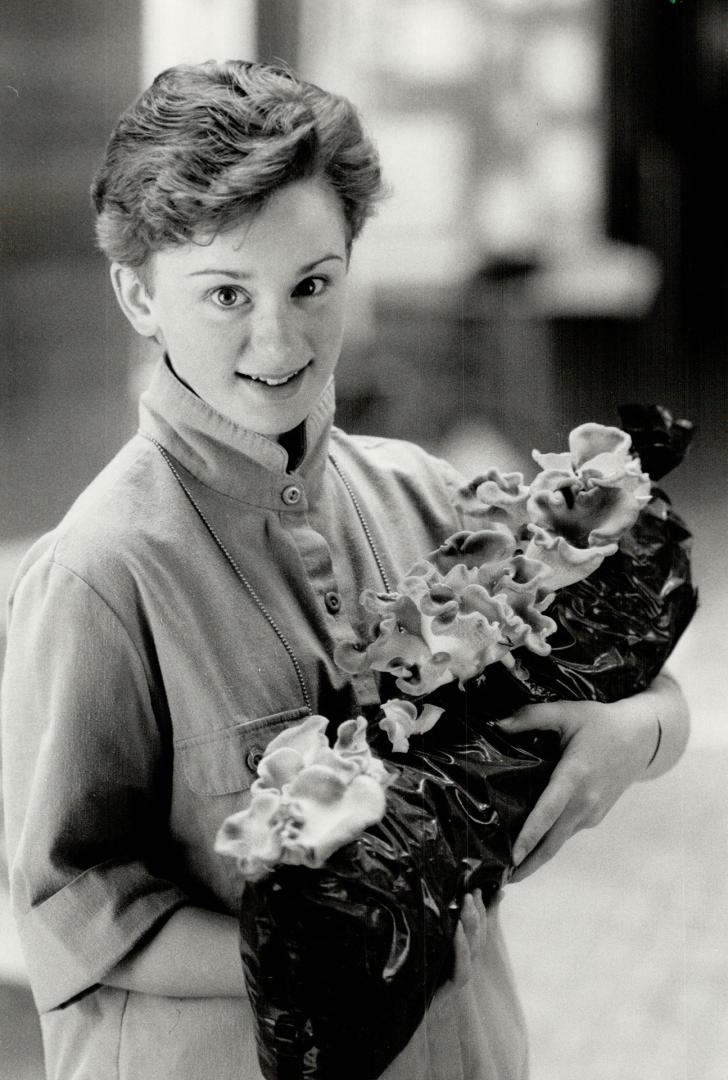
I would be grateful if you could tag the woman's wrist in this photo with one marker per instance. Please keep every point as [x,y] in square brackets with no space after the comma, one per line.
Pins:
[658,743]
[670,724]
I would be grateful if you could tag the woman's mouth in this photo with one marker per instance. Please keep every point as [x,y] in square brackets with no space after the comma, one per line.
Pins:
[274,381]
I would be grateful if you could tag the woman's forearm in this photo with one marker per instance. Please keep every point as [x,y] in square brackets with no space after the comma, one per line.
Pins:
[672,723]
[195,953]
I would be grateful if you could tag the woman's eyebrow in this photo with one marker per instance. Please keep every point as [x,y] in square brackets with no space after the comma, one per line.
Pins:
[241,275]
[325,258]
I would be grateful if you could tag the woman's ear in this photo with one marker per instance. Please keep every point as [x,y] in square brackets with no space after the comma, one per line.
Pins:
[134,300]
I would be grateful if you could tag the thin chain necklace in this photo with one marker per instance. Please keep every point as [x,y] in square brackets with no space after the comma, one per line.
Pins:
[364,524]
[244,580]
[239,574]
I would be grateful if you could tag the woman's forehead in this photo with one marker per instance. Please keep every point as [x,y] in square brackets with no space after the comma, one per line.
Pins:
[300,225]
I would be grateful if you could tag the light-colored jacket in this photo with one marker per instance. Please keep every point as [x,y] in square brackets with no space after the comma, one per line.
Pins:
[147,668]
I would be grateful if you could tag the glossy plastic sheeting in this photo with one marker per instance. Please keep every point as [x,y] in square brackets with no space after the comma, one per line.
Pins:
[341,963]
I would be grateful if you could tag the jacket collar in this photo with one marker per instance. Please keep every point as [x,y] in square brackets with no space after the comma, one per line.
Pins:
[227,457]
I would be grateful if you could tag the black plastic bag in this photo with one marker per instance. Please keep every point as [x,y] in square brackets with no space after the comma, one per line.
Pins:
[341,963]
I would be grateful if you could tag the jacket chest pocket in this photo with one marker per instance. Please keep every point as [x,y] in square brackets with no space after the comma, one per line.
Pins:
[225,762]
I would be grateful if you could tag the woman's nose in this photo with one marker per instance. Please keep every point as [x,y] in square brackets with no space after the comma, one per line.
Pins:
[274,342]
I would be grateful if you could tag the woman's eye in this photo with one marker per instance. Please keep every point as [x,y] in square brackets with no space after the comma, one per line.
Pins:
[227,296]
[310,286]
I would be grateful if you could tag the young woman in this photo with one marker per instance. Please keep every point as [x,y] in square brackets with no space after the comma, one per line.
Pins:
[187,607]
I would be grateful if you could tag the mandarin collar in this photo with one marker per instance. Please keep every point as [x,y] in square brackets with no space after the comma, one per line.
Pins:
[227,457]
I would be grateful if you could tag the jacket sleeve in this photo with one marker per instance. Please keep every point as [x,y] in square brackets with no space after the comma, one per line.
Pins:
[85,783]
[459,493]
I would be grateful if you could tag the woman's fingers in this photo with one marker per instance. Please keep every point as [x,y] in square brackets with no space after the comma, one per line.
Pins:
[547,716]
[469,919]
[473,919]
[544,816]
[463,964]
[462,969]
[584,785]
[469,942]
[569,803]
[544,850]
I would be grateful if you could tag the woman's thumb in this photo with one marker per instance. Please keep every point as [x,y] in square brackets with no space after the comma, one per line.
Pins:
[544,717]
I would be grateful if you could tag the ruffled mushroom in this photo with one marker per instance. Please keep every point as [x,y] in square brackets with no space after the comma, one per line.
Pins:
[439,627]
[483,593]
[592,494]
[308,800]
[402,720]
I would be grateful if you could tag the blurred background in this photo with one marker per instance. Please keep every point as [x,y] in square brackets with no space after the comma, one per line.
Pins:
[554,245]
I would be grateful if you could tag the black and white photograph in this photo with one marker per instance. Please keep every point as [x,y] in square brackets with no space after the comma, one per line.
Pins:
[363,503]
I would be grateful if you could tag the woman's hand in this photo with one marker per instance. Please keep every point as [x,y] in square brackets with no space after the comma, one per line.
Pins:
[469,945]
[430,1050]
[605,748]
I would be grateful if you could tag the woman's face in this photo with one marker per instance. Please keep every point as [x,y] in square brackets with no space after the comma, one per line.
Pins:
[253,321]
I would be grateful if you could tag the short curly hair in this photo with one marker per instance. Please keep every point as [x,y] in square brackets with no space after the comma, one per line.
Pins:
[207,143]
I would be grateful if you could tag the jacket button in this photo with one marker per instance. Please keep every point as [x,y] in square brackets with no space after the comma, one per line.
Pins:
[333,602]
[254,757]
[291,495]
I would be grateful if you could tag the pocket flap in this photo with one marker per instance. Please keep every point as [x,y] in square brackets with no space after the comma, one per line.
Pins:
[226,761]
